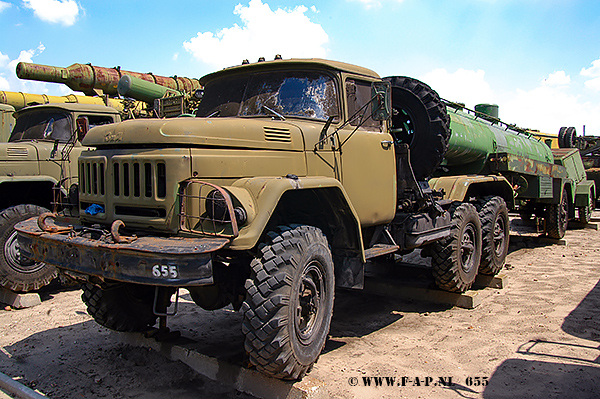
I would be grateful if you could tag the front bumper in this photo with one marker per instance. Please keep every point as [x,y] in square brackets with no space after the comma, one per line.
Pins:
[172,261]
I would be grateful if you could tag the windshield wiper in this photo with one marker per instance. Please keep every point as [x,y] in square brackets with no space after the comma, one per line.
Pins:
[277,114]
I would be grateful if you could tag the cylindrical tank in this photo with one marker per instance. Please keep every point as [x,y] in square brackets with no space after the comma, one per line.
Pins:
[21,100]
[86,77]
[474,138]
[142,90]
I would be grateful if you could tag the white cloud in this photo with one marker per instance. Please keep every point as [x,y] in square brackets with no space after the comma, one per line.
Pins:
[263,33]
[463,86]
[557,78]
[4,5]
[592,72]
[63,12]
[4,59]
[547,107]
[10,82]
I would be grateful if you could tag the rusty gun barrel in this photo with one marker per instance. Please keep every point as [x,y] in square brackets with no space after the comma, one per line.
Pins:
[88,78]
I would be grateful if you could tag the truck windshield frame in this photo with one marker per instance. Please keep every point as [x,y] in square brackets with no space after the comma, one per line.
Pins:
[50,125]
[304,94]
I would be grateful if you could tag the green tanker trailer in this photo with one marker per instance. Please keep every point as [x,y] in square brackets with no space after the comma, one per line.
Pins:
[470,152]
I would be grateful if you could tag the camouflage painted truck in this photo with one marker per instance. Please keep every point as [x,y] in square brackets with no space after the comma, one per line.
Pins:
[291,176]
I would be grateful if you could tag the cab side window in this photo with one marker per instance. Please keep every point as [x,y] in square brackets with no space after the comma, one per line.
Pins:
[358,95]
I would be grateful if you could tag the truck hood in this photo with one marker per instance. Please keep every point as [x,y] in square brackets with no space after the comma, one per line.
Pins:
[235,132]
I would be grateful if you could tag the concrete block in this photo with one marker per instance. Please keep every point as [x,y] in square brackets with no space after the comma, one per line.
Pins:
[19,301]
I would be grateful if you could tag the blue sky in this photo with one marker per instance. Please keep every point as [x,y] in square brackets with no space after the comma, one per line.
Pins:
[539,60]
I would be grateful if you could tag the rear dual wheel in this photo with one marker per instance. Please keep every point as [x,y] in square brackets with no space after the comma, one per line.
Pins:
[455,259]
[495,232]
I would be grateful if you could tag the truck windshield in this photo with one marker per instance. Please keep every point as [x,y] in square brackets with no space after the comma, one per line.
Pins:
[289,93]
[42,125]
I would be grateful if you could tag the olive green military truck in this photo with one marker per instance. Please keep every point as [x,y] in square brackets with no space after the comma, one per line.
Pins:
[291,176]
[37,169]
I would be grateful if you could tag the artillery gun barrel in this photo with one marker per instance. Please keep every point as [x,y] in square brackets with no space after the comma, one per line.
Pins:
[88,78]
[21,100]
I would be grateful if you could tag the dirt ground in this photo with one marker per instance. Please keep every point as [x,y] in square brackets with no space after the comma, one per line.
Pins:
[537,337]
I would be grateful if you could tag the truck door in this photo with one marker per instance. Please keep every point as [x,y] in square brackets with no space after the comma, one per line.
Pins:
[367,160]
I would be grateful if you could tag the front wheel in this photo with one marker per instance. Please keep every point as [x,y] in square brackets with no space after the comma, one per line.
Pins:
[121,306]
[17,272]
[455,259]
[289,301]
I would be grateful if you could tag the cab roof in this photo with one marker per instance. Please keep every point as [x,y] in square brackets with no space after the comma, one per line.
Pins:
[308,63]
[71,107]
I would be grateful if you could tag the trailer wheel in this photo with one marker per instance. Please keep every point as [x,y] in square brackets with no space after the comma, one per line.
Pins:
[584,213]
[289,301]
[120,307]
[493,214]
[17,272]
[557,218]
[420,120]
[567,137]
[456,259]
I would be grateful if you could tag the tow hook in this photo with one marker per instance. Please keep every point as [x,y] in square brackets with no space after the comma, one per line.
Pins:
[51,228]
[114,231]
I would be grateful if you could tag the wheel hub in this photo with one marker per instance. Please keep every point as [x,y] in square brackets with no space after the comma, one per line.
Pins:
[308,310]
[16,260]
[467,248]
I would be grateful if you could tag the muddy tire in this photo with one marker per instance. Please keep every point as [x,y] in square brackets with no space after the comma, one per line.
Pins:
[420,120]
[17,272]
[557,218]
[495,231]
[455,259]
[120,307]
[289,301]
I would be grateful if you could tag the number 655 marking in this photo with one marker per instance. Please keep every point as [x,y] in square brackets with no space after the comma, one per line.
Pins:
[165,271]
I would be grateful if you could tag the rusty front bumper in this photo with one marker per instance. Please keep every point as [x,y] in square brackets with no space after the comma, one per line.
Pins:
[173,261]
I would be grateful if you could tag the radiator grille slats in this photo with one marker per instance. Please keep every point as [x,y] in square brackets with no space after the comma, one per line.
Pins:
[129,179]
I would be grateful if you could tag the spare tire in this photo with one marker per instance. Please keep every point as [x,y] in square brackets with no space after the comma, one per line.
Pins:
[420,120]
[567,137]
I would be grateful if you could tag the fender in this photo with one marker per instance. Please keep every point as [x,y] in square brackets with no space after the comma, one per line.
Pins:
[265,199]
[462,187]
[585,192]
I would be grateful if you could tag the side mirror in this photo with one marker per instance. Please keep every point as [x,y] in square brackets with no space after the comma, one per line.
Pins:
[381,100]
[83,126]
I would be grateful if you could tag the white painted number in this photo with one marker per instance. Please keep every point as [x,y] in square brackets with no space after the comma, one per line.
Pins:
[165,271]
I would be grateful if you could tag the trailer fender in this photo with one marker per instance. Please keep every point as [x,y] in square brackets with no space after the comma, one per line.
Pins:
[585,193]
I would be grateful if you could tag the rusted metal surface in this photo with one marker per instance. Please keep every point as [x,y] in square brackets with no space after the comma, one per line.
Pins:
[87,78]
[504,162]
[114,231]
[173,261]
[41,222]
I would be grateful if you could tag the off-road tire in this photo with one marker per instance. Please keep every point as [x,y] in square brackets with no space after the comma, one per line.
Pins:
[289,301]
[19,273]
[120,307]
[429,119]
[567,137]
[495,231]
[557,218]
[584,213]
[455,259]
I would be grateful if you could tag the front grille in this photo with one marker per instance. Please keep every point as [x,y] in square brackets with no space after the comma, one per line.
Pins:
[137,179]
[92,177]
